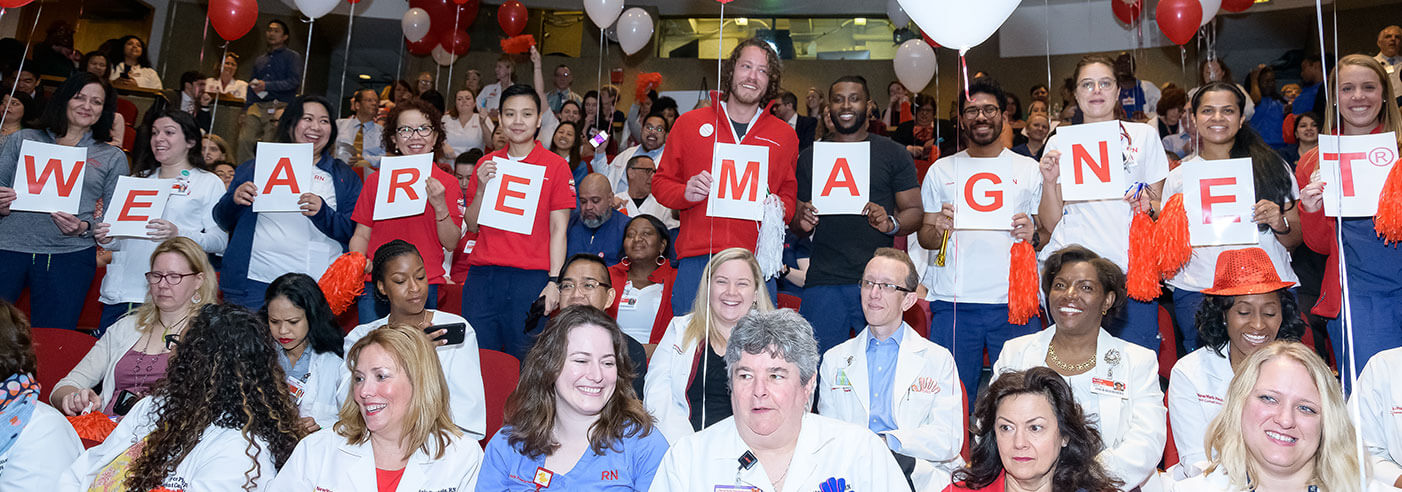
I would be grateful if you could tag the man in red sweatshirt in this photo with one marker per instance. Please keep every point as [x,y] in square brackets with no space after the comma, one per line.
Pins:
[740,114]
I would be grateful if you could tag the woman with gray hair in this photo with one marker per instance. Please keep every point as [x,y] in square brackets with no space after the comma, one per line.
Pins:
[772,442]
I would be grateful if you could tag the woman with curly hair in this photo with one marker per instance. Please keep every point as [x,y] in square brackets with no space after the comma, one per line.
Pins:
[396,431]
[1247,307]
[1031,435]
[219,421]
[574,414]
[310,340]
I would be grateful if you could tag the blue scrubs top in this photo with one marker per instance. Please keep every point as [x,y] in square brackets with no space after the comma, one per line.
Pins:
[628,465]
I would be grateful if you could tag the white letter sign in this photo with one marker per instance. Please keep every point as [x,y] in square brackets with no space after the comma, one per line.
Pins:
[402,187]
[135,202]
[1359,164]
[739,181]
[49,177]
[282,172]
[983,201]
[841,177]
[1220,197]
[1092,161]
[513,198]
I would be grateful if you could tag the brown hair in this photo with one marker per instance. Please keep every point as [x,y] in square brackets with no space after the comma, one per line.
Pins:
[16,346]
[912,278]
[776,69]
[1087,61]
[428,417]
[148,314]
[530,410]
[432,114]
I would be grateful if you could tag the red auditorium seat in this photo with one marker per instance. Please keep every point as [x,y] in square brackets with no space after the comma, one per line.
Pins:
[964,410]
[918,317]
[505,371]
[790,301]
[450,298]
[1170,450]
[58,350]
[1168,343]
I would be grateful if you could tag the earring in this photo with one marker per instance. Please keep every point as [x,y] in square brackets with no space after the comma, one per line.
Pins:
[627,262]
[661,260]
[195,299]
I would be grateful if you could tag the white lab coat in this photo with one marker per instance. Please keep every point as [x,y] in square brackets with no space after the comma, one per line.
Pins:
[826,448]
[1197,390]
[462,367]
[216,464]
[664,389]
[47,444]
[1133,426]
[926,403]
[651,207]
[320,400]
[1217,481]
[324,461]
[1379,398]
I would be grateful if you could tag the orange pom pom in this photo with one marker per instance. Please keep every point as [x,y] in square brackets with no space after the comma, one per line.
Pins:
[1142,279]
[1388,221]
[94,426]
[647,82]
[516,45]
[343,281]
[1023,302]
[1171,237]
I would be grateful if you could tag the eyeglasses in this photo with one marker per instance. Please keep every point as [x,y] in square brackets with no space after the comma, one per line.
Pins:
[585,286]
[154,278]
[1091,85]
[408,131]
[658,128]
[973,111]
[647,170]
[883,288]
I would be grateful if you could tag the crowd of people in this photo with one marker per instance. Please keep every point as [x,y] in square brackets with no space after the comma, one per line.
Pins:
[653,351]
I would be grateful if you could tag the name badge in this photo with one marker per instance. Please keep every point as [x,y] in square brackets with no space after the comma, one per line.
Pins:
[297,388]
[735,488]
[542,477]
[629,301]
[1108,387]
[181,185]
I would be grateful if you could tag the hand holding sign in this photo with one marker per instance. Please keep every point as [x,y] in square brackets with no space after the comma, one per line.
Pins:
[281,173]
[1359,164]
[512,201]
[1091,161]
[49,178]
[741,181]
[842,177]
[1219,197]
[135,203]
[400,191]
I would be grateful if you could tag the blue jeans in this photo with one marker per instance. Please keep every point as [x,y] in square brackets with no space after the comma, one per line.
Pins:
[251,297]
[688,282]
[835,311]
[371,307]
[58,284]
[113,312]
[1185,311]
[496,300]
[1138,323]
[980,327]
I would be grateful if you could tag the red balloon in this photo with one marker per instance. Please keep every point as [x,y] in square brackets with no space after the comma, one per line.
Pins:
[423,46]
[233,18]
[1179,19]
[512,17]
[11,4]
[1236,5]
[467,12]
[457,42]
[1127,11]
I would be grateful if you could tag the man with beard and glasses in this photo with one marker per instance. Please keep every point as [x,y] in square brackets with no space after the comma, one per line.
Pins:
[842,244]
[652,138]
[596,227]
[750,79]
[975,271]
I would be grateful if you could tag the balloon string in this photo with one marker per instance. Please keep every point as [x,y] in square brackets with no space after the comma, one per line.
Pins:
[215,110]
[28,40]
[204,39]
[964,66]
[449,87]
[1046,33]
[306,59]
[711,234]
[345,60]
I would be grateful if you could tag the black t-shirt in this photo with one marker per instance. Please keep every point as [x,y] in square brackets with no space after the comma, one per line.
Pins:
[842,244]
[740,129]
[716,388]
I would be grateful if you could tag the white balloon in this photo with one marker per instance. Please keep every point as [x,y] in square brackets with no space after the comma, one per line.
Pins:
[915,64]
[603,12]
[318,8]
[896,14]
[959,24]
[415,24]
[1209,10]
[442,56]
[634,30]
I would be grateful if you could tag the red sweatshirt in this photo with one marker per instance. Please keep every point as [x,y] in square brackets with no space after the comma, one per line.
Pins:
[1319,235]
[689,152]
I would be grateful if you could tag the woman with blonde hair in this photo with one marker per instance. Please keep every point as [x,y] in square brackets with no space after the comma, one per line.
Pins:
[1284,426]
[685,390]
[396,431]
[132,355]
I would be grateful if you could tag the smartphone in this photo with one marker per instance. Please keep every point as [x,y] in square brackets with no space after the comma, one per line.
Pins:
[599,139]
[457,332]
[125,400]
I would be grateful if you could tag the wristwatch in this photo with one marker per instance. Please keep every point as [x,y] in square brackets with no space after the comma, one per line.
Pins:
[895,226]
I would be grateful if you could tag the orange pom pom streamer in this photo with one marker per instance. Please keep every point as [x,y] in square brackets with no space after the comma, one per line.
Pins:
[343,281]
[93,426]
[1388,221]
[1171,237]
[516,45]
[1142,280]
[646,82]
[1023,302]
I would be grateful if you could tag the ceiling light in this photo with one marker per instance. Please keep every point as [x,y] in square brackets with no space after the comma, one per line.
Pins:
[742,21]
[860,21]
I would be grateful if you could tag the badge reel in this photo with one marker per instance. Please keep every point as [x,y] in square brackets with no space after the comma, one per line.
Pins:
[746,461]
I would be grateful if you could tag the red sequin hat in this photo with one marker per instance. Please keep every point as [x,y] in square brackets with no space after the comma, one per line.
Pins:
[1244,272]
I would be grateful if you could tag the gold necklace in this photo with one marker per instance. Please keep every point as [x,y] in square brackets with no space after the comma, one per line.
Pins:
[1073,368]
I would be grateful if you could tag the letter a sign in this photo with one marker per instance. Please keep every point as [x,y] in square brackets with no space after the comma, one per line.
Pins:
[49,177]
[1219,197]
[841,177]
[512,200]
[739,181]
[1092,161]
[282,172]
[1359,164]
[134,203]
[402,189]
